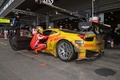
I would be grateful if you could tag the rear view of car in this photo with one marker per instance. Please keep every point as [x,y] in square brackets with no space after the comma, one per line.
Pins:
[90,46]
[79,45]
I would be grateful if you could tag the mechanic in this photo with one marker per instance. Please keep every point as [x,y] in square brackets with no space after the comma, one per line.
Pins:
[117,35]
[34,30]
[37,43]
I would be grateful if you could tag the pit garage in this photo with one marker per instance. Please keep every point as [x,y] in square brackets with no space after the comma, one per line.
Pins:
[113,19]
[25,65]
[48,16]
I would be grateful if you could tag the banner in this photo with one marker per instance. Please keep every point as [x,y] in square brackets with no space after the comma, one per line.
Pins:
[4,20]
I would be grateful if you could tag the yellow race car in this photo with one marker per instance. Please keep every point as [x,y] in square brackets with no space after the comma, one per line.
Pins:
[69,45]
[65,44]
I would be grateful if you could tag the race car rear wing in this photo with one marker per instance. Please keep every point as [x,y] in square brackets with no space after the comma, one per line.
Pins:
[97,28]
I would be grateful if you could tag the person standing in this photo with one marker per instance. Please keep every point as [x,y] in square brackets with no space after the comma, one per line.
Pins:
[5,33]
[15,22]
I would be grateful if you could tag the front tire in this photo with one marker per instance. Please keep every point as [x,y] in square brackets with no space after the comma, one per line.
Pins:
[65,51]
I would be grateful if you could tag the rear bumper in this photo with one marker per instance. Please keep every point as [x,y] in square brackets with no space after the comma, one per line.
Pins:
[89,50]
[87,54]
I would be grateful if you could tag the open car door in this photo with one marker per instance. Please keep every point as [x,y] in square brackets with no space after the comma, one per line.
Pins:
[20,42]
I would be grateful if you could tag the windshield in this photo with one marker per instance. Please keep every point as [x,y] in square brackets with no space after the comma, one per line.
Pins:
[49,32]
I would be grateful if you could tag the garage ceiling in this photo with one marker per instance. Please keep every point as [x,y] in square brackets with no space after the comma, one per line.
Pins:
[30,5]
[1,2]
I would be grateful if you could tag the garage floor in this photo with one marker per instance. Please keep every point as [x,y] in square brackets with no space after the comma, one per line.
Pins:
[24,65]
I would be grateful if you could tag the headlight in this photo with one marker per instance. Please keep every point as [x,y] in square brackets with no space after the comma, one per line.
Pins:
[79,41]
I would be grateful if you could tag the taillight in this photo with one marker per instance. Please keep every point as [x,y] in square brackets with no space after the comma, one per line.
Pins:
[82,36]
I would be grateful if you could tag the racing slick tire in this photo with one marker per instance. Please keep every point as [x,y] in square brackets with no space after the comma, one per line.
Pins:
[65,51]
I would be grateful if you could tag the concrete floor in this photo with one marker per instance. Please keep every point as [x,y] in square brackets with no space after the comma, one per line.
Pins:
[24,65]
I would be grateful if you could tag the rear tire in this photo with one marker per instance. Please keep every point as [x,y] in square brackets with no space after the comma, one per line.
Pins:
[65,51]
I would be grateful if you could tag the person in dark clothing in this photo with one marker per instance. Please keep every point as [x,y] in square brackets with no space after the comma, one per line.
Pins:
[117,35]
[17,21]
[14,24]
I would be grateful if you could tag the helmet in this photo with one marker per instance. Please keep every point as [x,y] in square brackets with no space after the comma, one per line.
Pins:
[39,29]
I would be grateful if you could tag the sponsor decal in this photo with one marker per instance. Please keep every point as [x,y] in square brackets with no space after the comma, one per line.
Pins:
[55,38]
[88,45]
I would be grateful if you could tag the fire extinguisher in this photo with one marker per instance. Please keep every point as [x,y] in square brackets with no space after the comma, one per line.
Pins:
[112,43]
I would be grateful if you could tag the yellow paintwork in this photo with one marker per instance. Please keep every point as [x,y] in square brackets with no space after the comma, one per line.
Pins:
[96,45]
